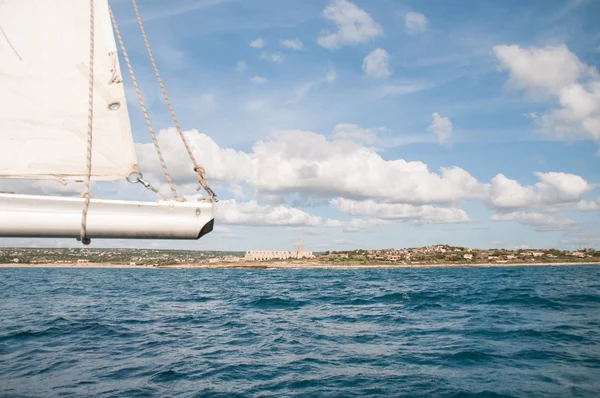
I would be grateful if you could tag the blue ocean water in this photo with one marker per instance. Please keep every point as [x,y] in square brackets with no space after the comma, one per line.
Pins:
[478,332]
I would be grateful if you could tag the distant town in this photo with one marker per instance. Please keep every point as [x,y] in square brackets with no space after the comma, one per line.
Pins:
[429,255]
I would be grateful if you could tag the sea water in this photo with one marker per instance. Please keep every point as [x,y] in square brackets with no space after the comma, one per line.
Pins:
[462,332]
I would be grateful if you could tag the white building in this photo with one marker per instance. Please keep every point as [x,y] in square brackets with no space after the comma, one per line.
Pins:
[276,255]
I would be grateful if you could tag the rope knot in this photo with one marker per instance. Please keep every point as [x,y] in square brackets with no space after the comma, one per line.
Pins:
[201,171]
[202,183]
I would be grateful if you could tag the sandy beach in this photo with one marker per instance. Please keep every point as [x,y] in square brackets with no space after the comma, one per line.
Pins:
[289,265]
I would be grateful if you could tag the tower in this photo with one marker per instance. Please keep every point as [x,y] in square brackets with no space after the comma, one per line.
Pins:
[298,247]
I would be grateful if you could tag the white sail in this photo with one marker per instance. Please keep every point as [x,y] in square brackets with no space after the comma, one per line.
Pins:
[44,58]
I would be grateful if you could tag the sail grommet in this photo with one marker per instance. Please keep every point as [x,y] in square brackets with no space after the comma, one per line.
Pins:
[113,106]
[137,177]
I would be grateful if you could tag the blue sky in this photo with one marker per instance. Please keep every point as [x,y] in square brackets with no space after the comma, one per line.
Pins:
[303,113]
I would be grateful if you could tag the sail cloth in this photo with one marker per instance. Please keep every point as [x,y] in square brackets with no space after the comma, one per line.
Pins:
[44,58]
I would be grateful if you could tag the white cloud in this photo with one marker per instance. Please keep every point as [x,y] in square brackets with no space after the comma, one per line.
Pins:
[295,44]
[405,212]
[225,232]
[42,187]
[309,163]
[303,89]
[272,57]
[341,166]
[558,73]
[352,132]
[237,191]
[354,25]
[258,79]
[376,64]
[585,205]
[539,70]
[253,214]
[540,222]
[394,90]
[442,128]
[334,223]
[554,190]
[241,66]
[415,23]
[258,43]
[356,224]
[579,117]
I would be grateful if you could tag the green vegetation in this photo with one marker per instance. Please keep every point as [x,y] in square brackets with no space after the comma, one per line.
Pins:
[112,256]
[439,254]
[445,254]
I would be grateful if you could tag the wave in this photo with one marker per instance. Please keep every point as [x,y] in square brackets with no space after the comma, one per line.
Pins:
[527,300]
[440,332]
[276,303]
[469,357]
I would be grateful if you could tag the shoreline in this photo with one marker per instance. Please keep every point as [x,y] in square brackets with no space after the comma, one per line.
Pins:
[292,265]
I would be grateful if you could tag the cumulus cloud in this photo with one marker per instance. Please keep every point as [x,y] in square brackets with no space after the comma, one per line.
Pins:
[376,64]
[257,43]
[404,212]
[555,190]
[415,23]
[354,25]
[252,214]
[295,44]
[258,79]
[272,57]
[356,224]
[342,166]
[556,72]
[591,205]
[312,164]
[539,221]
[547,69]
[442,128]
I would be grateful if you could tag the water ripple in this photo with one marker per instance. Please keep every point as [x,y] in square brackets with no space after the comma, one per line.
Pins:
[507,332]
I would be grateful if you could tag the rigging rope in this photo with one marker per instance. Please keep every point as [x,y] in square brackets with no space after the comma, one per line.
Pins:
[143,106]
[201,173]
[87,194]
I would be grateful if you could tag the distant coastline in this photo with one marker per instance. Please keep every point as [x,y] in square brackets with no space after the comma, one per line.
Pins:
[436,256]
[295,265]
